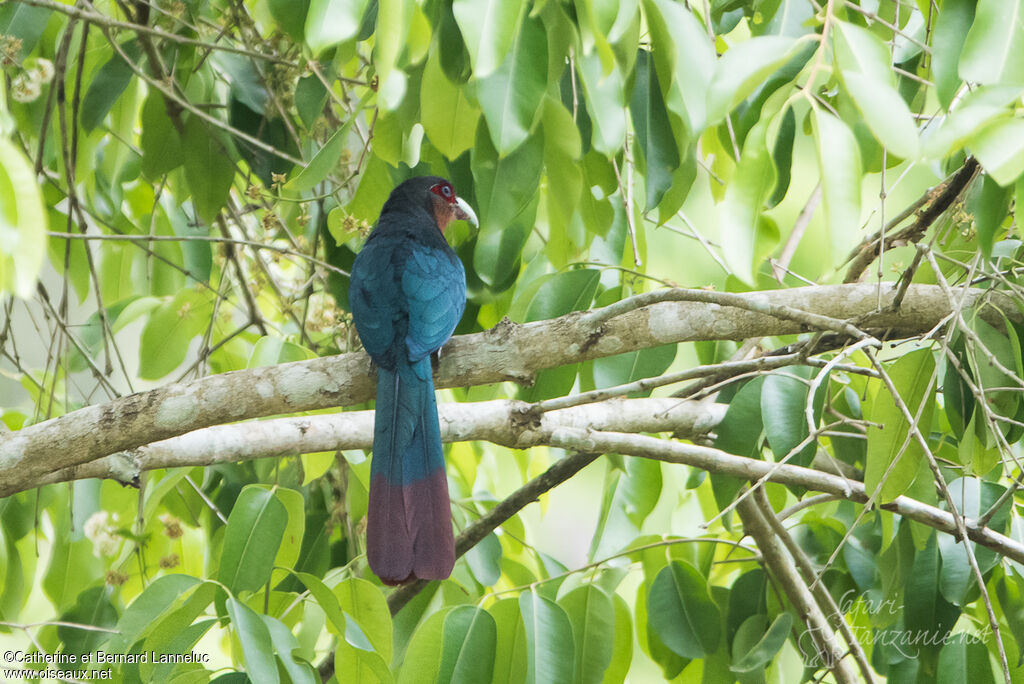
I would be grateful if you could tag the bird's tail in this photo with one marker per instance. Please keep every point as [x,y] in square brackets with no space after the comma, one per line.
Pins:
[409,529]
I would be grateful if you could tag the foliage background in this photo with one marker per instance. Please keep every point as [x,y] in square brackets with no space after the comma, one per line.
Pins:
[183,186]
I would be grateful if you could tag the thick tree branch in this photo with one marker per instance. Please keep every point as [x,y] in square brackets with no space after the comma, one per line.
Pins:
[506,352]
[509,423]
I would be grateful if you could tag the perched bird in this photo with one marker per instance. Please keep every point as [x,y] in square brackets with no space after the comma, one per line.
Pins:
[407,294]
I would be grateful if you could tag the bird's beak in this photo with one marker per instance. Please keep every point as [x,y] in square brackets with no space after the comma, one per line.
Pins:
[465,212]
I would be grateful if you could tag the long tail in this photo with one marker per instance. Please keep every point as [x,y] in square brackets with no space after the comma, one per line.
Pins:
[409,528]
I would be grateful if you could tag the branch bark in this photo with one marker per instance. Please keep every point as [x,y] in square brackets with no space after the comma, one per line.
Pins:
[507,352]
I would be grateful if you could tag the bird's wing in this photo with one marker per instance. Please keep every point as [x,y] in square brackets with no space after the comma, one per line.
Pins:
[374,297]
[434,284]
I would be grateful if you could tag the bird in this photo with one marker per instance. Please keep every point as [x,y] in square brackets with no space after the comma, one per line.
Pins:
[407,293]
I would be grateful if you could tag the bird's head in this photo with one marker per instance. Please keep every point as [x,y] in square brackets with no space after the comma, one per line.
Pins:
[446,206]
[436,195]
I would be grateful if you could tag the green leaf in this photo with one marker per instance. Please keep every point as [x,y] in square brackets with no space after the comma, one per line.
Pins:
[622,648]
[564,292]
[991,52]
[885,113]
[448,118]
[680,611]
[506,190]
[324,161]
[149,607]
[782,157]
[510,656]
[606,102]
[488,27]
[270,351]
[285,644]
[656,147]
[592,615]
[23,223]
[888,429]
[783,409]
[1011,600]
[1001,390]
[756,656]
[989,211]
[23,22]
[330,22]
[290,15]
[744,200]
[485,560]
[562,150]
[511,96]
[107,85]
[951,27]
[251,539]
[209,170]
[744,67]
[160,141]
[975,111]
[367,614]
[393,19]
[858,50]
[964,658]
[170,329]
[1000,149]
[840,167]
[972,498]
[549,639]
[470,639]
[257,647]
[622,368]
[684,58]
[93,608]
[422,660]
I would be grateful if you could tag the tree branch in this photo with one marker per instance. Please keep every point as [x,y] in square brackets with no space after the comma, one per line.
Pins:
[508,423]
[506,352]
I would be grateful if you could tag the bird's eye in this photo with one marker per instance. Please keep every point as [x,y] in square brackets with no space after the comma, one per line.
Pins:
[446,190]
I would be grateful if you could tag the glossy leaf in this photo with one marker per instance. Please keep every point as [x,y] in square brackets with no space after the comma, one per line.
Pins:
[884,475]
[510,97]
[839,164]
[470,639]
[488,27]
[656,146]
[757,655]
[592,615]
[993,45]
[744,199]
[257,647]
[681,611]
[951,27]
[107,85]
[170,329]
[209,170]
[683,58]
[505,193]
[510,657]
[1000,149]
[743,68]
[251,538]
[449,118]
[784,398]
[548,637]
[329,22]
[23,223]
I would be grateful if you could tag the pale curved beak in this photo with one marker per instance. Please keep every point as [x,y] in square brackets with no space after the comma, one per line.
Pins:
[465,212]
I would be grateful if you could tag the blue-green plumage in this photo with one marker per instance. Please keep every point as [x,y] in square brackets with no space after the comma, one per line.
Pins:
[407,294]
